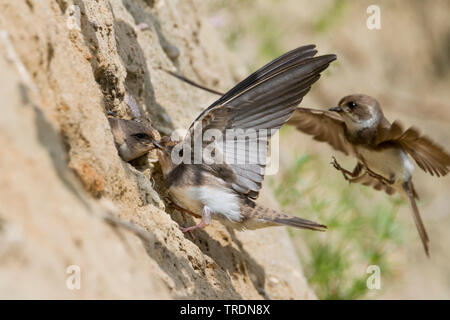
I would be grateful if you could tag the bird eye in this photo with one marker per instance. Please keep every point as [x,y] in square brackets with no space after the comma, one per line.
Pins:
[142,136]
[351,105]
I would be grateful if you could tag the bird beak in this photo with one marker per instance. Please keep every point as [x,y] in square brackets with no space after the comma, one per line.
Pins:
[157,144]
[335,109]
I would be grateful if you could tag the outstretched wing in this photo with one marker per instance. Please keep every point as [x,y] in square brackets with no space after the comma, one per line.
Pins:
[429,157]
[250,113]
[324,126]
[284,61]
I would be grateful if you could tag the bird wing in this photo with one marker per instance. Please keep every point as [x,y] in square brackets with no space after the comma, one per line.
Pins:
[324,126]
[369,181]
[429,157]
[264,100]
[284,61]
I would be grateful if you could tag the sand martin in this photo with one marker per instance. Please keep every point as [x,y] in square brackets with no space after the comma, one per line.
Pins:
[358,127]
[225,189]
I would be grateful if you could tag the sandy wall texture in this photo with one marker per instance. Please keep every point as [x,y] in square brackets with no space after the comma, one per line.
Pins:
[66,63]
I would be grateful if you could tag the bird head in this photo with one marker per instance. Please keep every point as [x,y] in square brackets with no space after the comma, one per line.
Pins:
[133,138]
[359,111]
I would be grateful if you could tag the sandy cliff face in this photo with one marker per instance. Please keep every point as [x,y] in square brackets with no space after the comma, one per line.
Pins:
[64,64]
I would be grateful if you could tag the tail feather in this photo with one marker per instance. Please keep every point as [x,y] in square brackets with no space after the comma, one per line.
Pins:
[299,223]
[254,213]
[408,187]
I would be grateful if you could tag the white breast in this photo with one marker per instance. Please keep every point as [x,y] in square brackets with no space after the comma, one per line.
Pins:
[219,200]
[388,162]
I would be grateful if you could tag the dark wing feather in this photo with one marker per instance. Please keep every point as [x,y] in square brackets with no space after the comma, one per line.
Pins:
[324,126]
[284,61]
[429,157]
[265,101]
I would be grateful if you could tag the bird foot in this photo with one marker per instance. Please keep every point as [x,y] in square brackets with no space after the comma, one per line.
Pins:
[184,230]
[201,225]
[380,178]
[183,210]
[206,220]
[338,167]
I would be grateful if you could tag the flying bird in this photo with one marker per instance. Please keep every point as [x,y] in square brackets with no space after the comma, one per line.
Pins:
[357,127]
[226,190]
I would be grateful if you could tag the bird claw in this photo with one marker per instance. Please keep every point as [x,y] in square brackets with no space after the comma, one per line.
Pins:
[201,225]
[380,178]
[206,220]
[338,167]
[143,26]
[187,229]
[184,229]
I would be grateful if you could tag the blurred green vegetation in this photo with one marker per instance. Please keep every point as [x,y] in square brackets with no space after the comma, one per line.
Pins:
[266,30]
[269,45]
[331,17]
[361,232]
